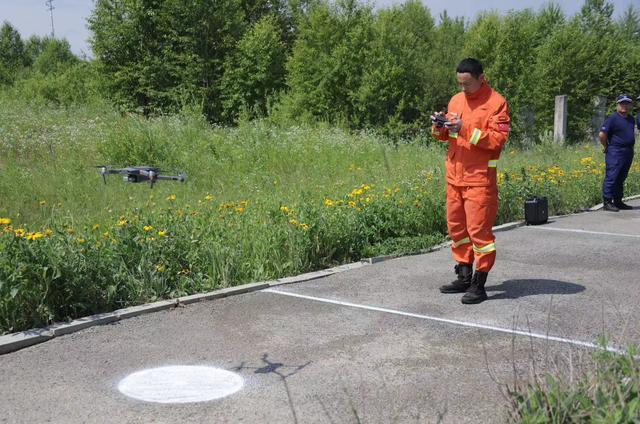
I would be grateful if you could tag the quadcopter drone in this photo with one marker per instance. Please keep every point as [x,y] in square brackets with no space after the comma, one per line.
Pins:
[138,174]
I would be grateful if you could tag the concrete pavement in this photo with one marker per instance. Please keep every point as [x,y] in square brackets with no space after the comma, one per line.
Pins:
[375,345]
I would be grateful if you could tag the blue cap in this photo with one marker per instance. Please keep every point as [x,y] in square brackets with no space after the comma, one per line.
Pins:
[624,98]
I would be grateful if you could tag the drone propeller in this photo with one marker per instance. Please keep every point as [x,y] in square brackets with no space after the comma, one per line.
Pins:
[104,170]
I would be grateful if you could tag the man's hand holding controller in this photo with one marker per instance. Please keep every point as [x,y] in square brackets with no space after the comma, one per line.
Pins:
[453,124]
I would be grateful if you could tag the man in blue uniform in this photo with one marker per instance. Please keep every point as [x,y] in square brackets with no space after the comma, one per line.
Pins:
[617,135]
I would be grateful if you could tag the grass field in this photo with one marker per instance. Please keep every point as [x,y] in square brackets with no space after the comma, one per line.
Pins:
[262,201]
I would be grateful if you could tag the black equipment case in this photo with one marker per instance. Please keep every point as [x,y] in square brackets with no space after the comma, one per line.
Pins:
[536,211]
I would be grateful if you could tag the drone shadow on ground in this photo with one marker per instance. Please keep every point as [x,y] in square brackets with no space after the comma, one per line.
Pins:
[282,371]
[513,289]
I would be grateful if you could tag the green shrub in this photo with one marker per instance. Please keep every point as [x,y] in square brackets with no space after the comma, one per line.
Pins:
[69,85]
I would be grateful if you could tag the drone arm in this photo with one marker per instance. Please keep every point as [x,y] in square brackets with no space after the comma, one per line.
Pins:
[117,171]
[180,177]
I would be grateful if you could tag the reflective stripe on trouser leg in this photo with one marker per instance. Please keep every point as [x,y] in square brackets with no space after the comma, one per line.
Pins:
[461,247]
[481,209]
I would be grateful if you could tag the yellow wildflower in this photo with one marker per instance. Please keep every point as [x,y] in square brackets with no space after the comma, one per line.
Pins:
[122,222]
[171,197]
[304,227]
[284,209]
[328,202]
[5,221]
[293,222]
[147,228]
[48,232]
[162,233]
[588,161]
[43,202]
[239,209]
[80,240]
[208,198]
[20,232]
[160,268]
[34,236]
[151,238]
[96,227]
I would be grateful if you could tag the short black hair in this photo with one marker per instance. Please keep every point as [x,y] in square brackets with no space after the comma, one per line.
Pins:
[470,66]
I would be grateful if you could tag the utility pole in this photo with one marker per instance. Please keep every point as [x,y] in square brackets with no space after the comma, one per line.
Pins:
[50,8]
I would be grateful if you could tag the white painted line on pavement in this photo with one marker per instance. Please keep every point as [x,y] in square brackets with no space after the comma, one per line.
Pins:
[572,230]
[448,321]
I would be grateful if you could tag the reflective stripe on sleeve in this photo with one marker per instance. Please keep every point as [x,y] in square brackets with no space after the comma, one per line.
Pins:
[461,242]
[491,247]
[475,136]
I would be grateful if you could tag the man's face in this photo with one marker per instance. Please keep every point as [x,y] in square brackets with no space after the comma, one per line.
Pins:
[468,83]
[624,108]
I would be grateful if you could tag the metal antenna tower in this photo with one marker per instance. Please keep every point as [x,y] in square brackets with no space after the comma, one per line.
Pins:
[50,8]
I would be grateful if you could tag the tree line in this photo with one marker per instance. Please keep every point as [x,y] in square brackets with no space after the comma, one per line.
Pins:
[343,62]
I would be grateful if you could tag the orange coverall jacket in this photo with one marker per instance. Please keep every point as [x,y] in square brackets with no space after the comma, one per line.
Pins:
[474,151]
[472,192]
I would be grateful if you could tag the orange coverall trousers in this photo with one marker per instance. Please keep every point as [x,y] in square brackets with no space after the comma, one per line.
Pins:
[471,214]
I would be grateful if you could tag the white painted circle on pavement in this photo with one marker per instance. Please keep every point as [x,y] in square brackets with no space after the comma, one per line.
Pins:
[180,384]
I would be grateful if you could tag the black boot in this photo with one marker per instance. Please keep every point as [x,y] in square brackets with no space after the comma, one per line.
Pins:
[462,283]
[618,203]
[476,293]
[608,205]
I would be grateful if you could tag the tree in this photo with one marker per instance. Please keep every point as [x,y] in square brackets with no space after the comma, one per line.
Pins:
[629,24]
[326,64]
[158,55]
[393,89]
[596,15]
[55,56]
[482,37]
[12,54]
[255,72]
[442,60]
[510,72]
[578,63]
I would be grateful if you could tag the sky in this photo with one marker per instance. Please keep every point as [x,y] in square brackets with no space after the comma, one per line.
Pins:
[70,16]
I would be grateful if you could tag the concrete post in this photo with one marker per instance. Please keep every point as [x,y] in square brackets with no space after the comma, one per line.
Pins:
[599,113]
[560,120]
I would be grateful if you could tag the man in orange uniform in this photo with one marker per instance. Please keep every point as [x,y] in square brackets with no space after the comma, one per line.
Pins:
[476,127]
